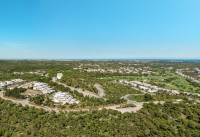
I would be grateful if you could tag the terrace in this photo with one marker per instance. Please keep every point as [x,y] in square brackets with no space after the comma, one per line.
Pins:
[63,97]
[42,87]
[7,83]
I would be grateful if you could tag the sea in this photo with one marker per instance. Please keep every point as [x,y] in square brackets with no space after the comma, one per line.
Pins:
[167,60]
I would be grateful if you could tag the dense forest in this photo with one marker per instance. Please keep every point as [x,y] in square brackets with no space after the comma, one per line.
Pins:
[15,93]
[156,97]
[153,120]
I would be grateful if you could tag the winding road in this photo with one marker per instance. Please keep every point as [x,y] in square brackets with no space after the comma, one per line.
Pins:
[101,91]
[84,92]
[138,105]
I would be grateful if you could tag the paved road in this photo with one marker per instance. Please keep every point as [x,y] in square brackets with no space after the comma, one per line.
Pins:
[1,92]
[85,92]
[128,100]
[122,110]
[23,102]
[138,105]
[26,102]
[101,91]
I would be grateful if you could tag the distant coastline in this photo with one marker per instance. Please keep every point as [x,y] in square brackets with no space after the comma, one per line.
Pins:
[167,60]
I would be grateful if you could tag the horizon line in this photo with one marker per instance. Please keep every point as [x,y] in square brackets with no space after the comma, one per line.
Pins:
[154,59]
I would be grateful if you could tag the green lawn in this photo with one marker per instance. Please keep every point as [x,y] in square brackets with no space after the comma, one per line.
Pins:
[168,81]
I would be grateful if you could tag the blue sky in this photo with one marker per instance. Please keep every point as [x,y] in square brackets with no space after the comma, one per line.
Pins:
[99,29]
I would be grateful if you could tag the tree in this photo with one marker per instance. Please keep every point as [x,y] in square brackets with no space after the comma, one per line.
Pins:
[148,97]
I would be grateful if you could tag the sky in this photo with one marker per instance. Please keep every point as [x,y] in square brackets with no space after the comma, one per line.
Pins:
[99,29]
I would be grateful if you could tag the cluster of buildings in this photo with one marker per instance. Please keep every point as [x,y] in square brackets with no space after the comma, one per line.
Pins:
[127,70]
[26,85]
[196,70]
[59,97]
[42,87]
[179,72]
[42,73]
[63,97]
[151,89]
[7,83]
[100,70]
[147,87]
[193,94]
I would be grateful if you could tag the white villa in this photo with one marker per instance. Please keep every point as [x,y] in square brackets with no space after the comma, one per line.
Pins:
[147,87]
[196,70]
[43,87]
[59,75]
[7,83]
[63,97]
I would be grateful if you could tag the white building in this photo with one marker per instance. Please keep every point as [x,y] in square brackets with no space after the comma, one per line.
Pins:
[2,84]
[196,70]
[63,97]
[59,75]
[9,82]
[175,92]
[43,87]
[17,80]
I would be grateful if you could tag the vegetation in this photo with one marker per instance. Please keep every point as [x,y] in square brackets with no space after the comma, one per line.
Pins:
[153,120]
[117,90]
[195,84]
[81,80]
[127,106]
[168,80]
[15,93]
[39,99]
[88,101]
[157,97]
